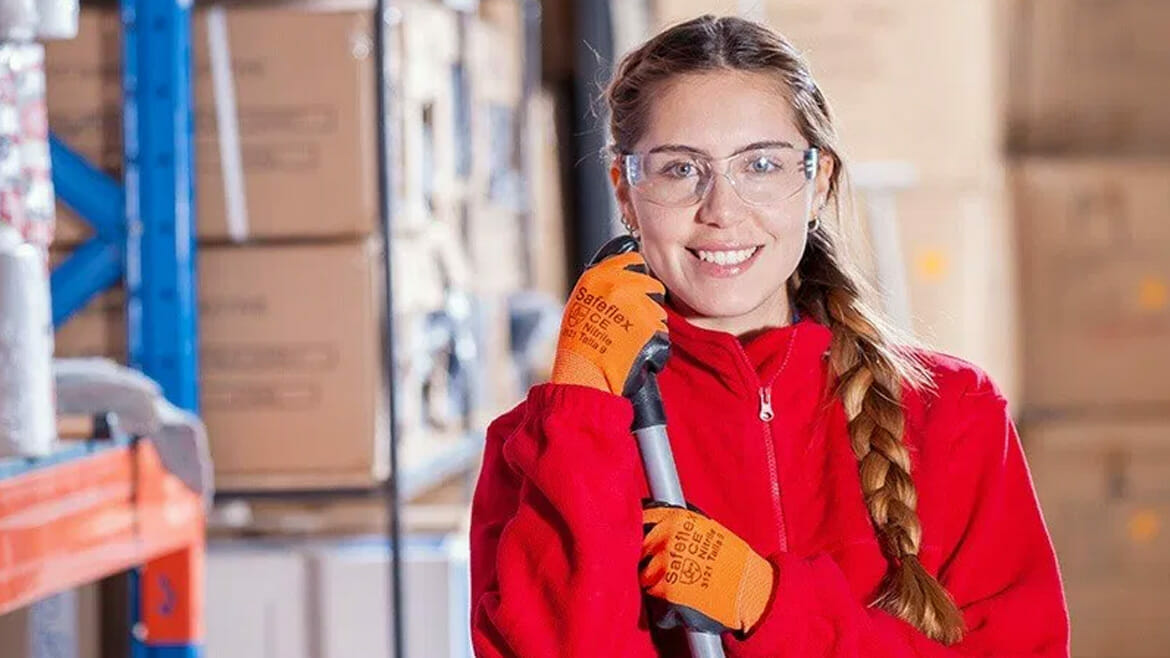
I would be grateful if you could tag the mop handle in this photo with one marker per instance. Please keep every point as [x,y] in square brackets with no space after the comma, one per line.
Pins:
[662,476]
[657,459]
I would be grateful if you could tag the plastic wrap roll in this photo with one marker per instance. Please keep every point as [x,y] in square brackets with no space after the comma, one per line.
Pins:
[28,426]
[26,182]
[18,20]
[56,19]
[11,201]
[36,179]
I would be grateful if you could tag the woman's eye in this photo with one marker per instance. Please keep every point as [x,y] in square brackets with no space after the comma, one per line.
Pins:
[763,165]
[682,169]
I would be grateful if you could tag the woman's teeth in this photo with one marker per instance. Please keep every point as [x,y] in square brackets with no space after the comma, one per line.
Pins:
[726,257]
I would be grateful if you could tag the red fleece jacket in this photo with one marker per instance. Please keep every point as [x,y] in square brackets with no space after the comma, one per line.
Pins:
[556,519]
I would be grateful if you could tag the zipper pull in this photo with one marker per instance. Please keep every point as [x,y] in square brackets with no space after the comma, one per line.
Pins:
[766,404]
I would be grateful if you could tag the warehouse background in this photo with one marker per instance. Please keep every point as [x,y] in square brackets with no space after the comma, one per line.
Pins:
[1012,169]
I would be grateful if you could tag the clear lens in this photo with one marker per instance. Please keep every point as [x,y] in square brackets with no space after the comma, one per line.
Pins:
[761,177]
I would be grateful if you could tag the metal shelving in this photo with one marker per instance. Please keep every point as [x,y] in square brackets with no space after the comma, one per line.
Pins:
[144,237]
[95,509]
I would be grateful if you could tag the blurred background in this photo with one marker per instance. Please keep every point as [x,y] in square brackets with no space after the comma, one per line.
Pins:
[1011,165]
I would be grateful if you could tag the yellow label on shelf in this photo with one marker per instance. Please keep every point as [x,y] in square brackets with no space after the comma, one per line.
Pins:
[1144,526]
[932,264]
[1153,294]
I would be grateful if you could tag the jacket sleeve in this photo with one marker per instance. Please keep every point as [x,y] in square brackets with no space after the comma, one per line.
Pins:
[1000,567]
[556,530]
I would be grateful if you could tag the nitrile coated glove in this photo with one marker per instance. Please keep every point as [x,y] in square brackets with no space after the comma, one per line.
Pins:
[613,327]
[702,575]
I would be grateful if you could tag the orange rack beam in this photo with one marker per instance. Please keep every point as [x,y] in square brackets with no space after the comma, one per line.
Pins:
[95,509]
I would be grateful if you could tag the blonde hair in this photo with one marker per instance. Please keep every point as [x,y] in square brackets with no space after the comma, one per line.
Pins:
[870,364]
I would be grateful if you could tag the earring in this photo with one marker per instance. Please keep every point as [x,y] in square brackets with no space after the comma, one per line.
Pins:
[815,223]
[630,227]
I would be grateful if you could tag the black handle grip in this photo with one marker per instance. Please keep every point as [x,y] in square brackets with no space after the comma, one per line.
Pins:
[622,244]
[647,402]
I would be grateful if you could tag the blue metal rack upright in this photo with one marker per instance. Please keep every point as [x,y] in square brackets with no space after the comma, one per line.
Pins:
[145,224]
[144,236]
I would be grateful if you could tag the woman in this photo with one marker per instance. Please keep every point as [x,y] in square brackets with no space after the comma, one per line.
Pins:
[857,497]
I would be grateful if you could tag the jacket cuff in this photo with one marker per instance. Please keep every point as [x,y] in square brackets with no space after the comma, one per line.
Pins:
[600,409]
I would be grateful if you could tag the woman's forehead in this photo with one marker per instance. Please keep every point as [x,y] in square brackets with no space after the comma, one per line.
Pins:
[720,112]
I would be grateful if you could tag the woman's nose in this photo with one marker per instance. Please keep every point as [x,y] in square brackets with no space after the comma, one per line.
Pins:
[722,205]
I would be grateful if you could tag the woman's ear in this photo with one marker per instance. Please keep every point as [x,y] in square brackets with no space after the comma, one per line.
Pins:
[621,191]
[826,165]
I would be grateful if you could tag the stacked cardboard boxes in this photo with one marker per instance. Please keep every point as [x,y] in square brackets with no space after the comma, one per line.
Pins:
[1090,77]
[329,599]
[1105,493]
[291,269]
[1090,137]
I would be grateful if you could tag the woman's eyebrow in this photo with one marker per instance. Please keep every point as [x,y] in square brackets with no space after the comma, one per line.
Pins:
[683,148]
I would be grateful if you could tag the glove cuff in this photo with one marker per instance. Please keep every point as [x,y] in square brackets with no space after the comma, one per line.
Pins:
[570,367]
[755,591]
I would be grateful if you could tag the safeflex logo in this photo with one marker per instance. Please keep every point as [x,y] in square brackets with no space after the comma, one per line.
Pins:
[577,315]
[691,572]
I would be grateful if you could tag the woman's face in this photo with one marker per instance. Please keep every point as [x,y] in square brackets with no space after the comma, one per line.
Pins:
[695,250]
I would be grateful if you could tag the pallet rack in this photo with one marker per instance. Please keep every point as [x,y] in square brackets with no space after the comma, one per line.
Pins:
[96,508]
[144,238]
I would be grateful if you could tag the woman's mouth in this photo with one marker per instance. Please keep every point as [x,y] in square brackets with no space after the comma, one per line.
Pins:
[724,263]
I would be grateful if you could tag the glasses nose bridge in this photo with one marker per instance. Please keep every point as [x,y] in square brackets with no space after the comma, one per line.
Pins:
[707,186]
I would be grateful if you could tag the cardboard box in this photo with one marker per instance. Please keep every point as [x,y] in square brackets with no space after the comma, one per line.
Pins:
[329,598]
[435,106]
[914,81]
[1104,487]
[351,594]
[257,601]
[495,63]
[1095,282]
[1090,77]
[495,248]
[291,352]
[955,250]
[292,373]
[65,625]
[1085,460]
[498,385]
[307,150]
[1122,620]
[290,362]
[546,241]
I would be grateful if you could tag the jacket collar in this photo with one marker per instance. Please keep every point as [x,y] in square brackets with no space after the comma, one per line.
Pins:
[793,352]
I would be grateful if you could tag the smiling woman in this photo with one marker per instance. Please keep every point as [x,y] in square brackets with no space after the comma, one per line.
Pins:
[696,221]
[859,496]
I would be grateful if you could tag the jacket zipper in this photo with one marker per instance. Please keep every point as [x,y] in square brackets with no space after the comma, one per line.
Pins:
[766,414]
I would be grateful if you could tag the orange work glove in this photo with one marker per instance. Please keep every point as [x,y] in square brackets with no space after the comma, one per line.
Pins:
[709,578]
[614,327]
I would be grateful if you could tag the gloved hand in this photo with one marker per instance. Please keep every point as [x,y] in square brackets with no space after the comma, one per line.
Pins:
[700,574]
[614,327]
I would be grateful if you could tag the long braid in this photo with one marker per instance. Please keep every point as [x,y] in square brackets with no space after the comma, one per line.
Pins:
[870,377]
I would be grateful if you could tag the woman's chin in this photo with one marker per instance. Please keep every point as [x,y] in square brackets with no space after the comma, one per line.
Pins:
[716,309]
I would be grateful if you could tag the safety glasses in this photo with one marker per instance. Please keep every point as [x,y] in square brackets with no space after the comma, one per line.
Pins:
[762,177]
